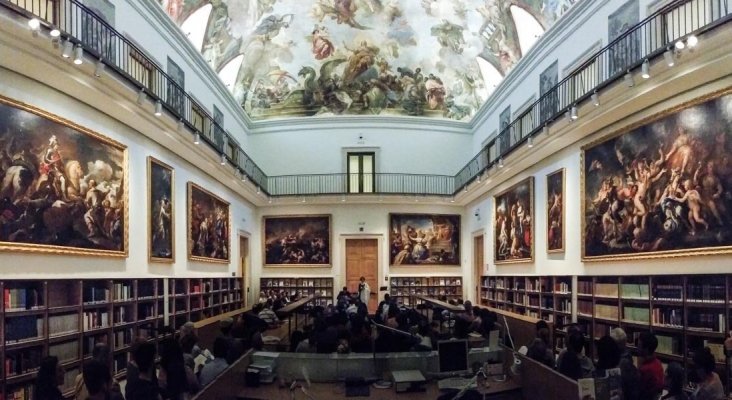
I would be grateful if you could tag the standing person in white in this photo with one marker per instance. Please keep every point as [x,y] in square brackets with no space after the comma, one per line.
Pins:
[364,291]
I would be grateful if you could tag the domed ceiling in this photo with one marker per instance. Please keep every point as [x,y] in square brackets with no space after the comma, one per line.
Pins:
[422,58]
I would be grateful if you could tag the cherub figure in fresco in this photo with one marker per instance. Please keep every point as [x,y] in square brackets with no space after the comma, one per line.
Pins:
[449,35]
[322,46]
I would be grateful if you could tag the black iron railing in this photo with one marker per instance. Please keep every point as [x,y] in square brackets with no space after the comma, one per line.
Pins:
[649,39]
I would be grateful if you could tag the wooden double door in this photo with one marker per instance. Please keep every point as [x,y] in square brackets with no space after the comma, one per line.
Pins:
[362,259]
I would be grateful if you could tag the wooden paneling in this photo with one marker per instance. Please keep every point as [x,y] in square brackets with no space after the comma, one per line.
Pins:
[362,259]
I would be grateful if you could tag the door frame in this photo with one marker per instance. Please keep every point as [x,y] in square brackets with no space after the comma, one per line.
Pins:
[380,274]
[477,270]
[246,279]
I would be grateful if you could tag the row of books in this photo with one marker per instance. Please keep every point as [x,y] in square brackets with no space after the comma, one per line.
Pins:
[426,282]
[564,305]
[63,324]
[122,315]
[66,351]
[96,294]
[584,307]
[22,299]
[708,322]
[21,393]
[636,314]
[606,311]
[123,338]
[671,317]
[706,293]
[23,362]
[300,282]
[635,291]
[668,292]
[606,289]
[122,291]
[95,319]
[23,328]
[562,287]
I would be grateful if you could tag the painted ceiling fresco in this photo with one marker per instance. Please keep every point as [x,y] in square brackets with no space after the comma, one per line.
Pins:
[423,58]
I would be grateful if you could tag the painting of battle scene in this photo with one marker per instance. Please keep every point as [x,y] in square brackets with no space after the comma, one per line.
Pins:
[429,58]
[161,227]
[663,187]
[424,239]
[513,223]
[208,226]
[296,240]
[555,211]
[63,187]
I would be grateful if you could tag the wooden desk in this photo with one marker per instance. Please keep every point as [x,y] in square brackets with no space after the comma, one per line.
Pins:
[508,390]
[291,308]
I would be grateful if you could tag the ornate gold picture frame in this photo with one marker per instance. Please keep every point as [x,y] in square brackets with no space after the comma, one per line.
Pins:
[555,230]
[513,223]
[209,226]
[297,240]
[161,211]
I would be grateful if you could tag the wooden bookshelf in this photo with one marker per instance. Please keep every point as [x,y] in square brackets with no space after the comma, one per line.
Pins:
[67,317]
[685,312]
[321,287]
[403,288]
[195,299]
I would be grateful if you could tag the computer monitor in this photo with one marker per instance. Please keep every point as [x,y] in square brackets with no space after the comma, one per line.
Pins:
[453,357]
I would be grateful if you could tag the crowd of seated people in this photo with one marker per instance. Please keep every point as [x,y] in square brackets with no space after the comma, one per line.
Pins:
[643,379]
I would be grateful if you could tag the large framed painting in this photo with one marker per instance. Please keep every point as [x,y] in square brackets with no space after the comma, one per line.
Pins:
[296,240]
[555,211]
[513,220]
[209,227]
[424,239]
[161,208]
[661,187]
[63,187]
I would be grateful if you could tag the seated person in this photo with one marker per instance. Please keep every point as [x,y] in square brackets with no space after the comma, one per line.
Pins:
[268,315]
[212,369]
[540,349]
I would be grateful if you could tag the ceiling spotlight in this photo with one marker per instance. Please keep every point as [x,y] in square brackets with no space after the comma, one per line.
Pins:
[546,129]
[629,79]
[34,24]
[269,200]
[158,108]
[243,176]
[479,175]
[56,42]
[573,113]
[466,188]
[78,55]
[645,69]
[680,45]
[452,200]
[595,99]
[141,96]
[303,200]
[181,125]
[692,41]
[68,49]
[54,32]
[500,162]
[343,198]
[99,68]
[416,199]
[258,190]
[196,138]
[531,142]
[668,55]
[223,159]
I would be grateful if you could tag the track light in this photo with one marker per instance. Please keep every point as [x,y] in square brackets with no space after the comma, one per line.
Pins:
[99,68]
[680,45]
[243,177]
[668,55]
[258,190]
[303,200]
[645,69]
[223,159]
[546,129]
[500,162]
[595,99]
[573,113]
[68,49]
[34,24]
[466,188]
[343,199]
[416,199]
[692,41]
[78,55]
[269,200]
[141,96]
[196,138]
[629,79]
[54,32]
[158,108]
[478,177]
[452,200]
[530,142]
[56,42]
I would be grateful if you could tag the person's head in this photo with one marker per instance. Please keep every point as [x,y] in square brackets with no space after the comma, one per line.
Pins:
[542,330]
[96,377]
[703,361]
[226,323]
[144,355]
[100,352]
[673,381]
[620,338]
[362,279]
[220,347]
[576,342]
[647,344]
[387,298]
[187,329]
[608,354]
[188,342]
[50,373]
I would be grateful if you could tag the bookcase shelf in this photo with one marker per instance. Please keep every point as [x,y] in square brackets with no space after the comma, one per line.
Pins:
[403,288]
[67,317]
[321,287]
[685,312]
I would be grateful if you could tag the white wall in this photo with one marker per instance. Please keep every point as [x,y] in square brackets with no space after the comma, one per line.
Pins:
[33,265]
